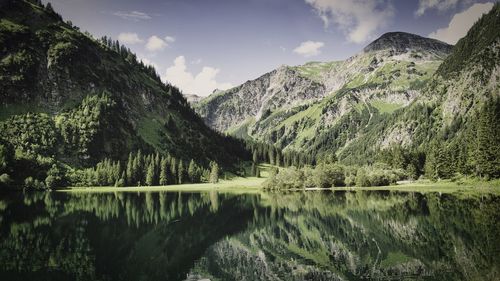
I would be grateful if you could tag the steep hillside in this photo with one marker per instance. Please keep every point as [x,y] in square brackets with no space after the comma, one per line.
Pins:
[321,106]
[67,96]
[455,122]
[281,88]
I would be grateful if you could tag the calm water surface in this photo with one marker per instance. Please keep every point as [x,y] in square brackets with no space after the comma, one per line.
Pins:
[268,236]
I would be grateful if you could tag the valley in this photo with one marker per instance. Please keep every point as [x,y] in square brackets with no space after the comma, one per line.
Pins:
[257,140]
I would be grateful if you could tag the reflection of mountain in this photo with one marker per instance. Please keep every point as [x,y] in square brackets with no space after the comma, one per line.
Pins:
[356,236]
[297,236]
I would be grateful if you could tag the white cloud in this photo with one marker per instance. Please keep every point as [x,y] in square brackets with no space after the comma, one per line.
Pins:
[440,5]
[309,48]
[133,15]
[169,39]
[155,43]
[359,19]
[129,38]
[201,84]
[461,23]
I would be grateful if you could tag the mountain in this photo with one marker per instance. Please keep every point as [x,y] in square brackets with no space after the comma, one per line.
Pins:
[401,42]
[321,106]
[454,123]
[411,102]
[68,97]
[192,99]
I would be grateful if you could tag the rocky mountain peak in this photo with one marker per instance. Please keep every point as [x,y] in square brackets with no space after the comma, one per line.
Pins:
[401,42]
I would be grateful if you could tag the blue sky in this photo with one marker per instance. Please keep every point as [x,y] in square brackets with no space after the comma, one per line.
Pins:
[200,45]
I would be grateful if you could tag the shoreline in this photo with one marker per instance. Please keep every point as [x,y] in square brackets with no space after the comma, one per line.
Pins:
[251,184]
[254,185]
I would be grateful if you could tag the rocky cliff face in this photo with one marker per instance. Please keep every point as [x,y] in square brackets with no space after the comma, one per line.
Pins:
[402,42]
[305,107]
[281,88]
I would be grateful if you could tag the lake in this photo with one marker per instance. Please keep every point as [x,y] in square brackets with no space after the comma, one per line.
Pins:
[364,235]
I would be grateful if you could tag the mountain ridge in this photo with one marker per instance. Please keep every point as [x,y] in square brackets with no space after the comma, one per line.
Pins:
[391,79]
[402,41]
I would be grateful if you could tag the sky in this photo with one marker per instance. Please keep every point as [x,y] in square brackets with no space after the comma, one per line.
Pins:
[203,45]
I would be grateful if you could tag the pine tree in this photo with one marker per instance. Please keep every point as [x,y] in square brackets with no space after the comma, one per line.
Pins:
[430,163]
[123,179]
[442,163]
[140,168]
[488,140]
[173,170]
[192,171]
[150,175]
[157,163]
[49,7]
[164,172]
[214,172]
[180,173]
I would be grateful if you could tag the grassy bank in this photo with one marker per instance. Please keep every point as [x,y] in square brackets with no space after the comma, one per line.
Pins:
[234,183]
[230,182]
[249,184]
[428,186]
[254,185]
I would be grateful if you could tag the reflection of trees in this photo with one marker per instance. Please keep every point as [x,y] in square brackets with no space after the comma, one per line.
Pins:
[273,236]
[358,235]
[123,236]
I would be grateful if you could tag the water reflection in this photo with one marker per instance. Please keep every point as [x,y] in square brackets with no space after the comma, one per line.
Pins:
[269,236]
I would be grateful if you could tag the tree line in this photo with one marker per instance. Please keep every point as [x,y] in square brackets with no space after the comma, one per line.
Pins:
[138,170]
[268,153]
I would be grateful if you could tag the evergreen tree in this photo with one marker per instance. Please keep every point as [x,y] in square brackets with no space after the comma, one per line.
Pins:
[180,172]
[49,7]
[140,168]
[164,172]
[442,168]
[192,171]
[123,179]
[431,161]
[157,164]
[214,172]
[150,175]
[488,140]
[173,170]
[129,170]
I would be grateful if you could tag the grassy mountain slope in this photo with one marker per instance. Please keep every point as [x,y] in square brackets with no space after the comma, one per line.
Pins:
[455,121]
[67,96]
[347,97]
